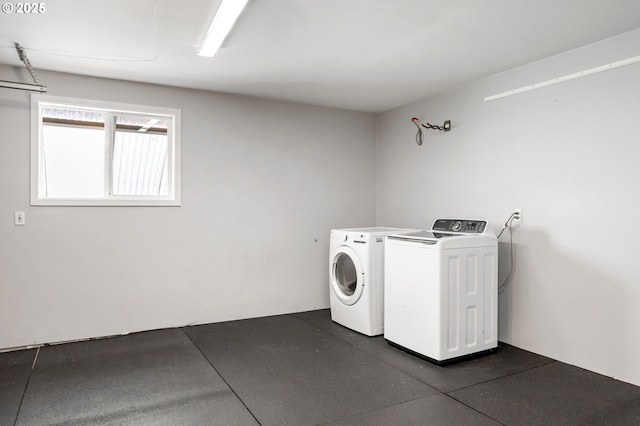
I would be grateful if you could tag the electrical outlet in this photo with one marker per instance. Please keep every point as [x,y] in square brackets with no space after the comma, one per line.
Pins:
[517,215]
[19,218]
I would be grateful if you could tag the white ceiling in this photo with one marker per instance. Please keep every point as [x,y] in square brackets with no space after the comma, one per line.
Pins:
[367,55]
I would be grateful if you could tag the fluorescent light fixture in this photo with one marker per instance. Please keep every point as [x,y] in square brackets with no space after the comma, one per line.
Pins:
[222,23]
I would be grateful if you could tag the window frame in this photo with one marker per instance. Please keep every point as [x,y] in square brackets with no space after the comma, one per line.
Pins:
[38,101]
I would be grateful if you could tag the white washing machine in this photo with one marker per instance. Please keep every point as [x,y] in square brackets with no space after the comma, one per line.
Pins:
[356,274]
[441,290]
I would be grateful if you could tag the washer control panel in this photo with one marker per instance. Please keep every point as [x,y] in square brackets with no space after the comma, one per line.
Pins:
[460,226]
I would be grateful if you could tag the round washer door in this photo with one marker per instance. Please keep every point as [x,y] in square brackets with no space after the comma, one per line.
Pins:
[347,279]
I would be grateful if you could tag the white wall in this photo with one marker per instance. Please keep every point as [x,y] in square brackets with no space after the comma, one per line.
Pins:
[262,185]
[264,182]
[569,156]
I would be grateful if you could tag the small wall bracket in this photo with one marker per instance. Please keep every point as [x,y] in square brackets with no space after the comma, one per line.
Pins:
[37,87]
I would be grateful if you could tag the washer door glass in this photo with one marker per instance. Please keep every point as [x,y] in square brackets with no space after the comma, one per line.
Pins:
[346,276]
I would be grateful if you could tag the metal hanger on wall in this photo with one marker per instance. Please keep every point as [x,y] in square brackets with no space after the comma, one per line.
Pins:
[37,87]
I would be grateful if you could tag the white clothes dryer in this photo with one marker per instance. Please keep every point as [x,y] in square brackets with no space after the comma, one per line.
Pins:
[441,292]
[356,274]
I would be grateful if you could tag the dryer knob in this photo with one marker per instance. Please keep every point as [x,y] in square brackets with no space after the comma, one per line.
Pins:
[345,238]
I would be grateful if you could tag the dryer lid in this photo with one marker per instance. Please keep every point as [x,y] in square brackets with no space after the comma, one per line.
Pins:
[445,240]
[426,237]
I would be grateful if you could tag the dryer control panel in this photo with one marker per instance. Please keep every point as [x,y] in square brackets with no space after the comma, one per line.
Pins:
[460,226]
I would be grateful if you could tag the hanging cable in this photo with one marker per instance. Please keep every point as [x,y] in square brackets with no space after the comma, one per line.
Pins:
[445,127]
[419,134]
[507,225]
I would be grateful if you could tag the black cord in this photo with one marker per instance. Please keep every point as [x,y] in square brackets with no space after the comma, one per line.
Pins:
[433,126]
[419,134]
[446,127]
[506,225]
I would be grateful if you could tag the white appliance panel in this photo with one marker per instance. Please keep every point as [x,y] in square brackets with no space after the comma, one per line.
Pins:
[356,293]
[441,294]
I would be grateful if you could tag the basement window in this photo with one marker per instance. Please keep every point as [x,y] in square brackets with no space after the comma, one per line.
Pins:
[88,153]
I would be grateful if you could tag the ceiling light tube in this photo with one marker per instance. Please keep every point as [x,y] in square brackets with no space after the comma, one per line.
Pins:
[226,16]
